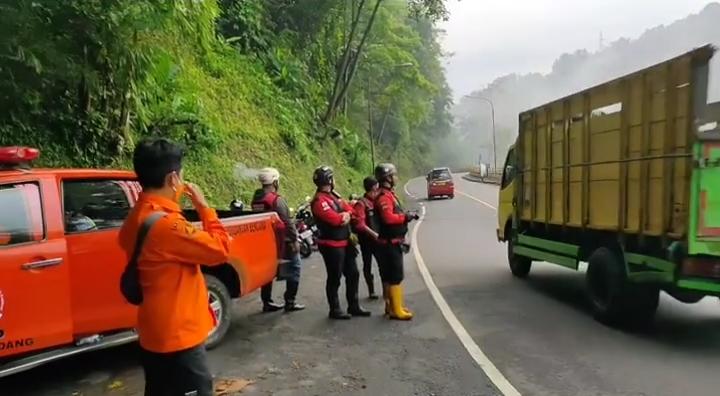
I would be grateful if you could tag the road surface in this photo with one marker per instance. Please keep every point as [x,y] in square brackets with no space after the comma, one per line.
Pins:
[538,333]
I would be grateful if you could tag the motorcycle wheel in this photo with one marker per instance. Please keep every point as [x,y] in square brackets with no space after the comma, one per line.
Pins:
[305,249]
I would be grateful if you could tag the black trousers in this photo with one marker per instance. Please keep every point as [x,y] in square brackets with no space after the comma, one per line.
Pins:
[182,373]
[390,263]
[340,262]
[367,248]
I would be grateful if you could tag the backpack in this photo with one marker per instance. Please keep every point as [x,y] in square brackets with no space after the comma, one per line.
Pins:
[130,278]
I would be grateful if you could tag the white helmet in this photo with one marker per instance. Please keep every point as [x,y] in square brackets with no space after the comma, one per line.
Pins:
[268,176]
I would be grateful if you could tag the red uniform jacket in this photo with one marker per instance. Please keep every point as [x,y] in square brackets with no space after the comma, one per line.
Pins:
[324,209]
[389,214]
[362,225]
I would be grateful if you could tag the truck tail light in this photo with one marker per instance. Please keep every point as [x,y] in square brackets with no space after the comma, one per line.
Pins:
[704,267]
[17,155]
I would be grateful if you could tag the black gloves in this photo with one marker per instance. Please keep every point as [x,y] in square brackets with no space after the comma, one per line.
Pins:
[410,216]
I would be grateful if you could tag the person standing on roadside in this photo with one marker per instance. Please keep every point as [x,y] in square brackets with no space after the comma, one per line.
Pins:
[365,225]
[267,199]
[333,217]
[174,318]
[393,226]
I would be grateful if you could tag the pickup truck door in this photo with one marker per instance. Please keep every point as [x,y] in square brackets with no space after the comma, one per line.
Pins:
[94,211]
[34,281]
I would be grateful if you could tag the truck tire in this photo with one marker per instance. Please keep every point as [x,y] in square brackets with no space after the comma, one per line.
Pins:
[614,300]
[221,304]
[519,265]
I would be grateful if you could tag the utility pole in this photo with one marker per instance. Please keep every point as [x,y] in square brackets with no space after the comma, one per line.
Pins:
[492,113]
[370,126]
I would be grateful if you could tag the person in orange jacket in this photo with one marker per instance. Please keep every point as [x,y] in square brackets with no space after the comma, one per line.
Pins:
[333,216]
[174,318]
[393,226]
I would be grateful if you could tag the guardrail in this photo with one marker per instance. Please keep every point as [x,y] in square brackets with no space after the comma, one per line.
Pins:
[491,177]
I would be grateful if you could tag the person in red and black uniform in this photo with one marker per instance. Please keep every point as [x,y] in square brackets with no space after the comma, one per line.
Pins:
[267,199]
[366,226]
[393,221]
[333,216]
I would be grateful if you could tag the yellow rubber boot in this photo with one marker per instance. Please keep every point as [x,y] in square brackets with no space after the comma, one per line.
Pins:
[402,293]
[396,302]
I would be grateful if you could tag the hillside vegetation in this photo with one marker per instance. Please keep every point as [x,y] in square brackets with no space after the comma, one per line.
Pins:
[241,83]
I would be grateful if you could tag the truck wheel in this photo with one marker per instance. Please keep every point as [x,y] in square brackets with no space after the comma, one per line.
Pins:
[519,265]
[605,279]
[614,300]
[644,303]
[221,303]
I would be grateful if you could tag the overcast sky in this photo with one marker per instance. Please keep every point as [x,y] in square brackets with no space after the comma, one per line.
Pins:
[491,38]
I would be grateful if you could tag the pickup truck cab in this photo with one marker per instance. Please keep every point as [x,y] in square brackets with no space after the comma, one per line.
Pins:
[60,261]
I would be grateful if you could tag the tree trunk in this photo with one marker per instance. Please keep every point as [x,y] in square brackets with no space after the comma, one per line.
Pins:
[353,65]
[343,67]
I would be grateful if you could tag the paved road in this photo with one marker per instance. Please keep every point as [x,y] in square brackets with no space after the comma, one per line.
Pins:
[539,332]
[302,353]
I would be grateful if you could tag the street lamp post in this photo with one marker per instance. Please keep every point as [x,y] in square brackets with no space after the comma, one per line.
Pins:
[492,113]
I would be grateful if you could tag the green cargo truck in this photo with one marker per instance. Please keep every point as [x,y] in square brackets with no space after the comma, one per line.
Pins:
[624,176]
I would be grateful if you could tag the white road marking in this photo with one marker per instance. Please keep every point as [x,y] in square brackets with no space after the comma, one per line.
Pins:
[411,195]
[475,199]
[497,378]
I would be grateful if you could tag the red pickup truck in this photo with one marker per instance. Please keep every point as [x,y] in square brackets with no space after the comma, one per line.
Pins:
[60,261]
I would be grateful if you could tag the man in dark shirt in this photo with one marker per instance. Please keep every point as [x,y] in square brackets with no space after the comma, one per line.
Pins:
[267,199]
[365,225]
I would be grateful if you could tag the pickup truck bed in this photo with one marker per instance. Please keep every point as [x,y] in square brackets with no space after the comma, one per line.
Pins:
[60,263]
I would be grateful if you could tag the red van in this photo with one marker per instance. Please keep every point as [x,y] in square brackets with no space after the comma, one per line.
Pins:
[440,183]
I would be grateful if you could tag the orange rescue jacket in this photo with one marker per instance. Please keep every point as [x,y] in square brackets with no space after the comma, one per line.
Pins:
[174,314]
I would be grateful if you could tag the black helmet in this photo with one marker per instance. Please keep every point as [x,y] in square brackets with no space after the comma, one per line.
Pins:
[383,171]
[323,176]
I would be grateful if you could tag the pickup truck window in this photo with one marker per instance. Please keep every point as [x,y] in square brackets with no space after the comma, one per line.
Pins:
[21,215]
[94,205]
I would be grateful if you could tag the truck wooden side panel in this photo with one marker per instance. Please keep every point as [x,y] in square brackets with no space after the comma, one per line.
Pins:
[616,157]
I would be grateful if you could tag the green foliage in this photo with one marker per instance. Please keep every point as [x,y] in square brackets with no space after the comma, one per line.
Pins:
[238,82]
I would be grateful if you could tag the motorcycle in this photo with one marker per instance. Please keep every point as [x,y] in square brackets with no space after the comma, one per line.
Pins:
[307,229]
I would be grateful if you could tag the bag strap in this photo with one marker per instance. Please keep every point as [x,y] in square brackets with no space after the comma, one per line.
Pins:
[142,233]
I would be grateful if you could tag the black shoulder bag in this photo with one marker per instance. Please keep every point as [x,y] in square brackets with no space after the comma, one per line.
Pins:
[130,279]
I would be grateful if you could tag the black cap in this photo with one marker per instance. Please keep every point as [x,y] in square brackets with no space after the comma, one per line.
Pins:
[369,183]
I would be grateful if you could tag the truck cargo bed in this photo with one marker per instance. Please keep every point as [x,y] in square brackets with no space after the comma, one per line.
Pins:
[616,157]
